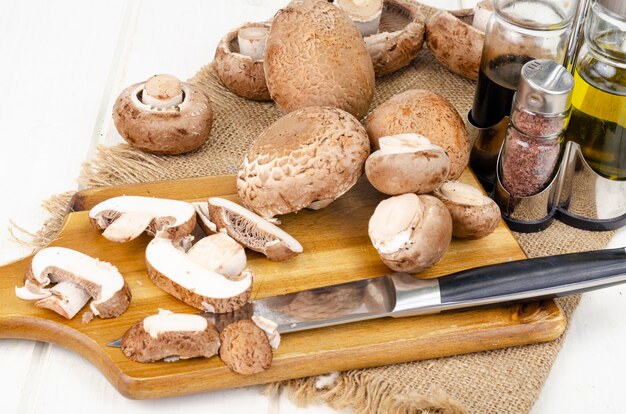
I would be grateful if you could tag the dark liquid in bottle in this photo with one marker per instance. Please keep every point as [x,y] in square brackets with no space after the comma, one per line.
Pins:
[497,83]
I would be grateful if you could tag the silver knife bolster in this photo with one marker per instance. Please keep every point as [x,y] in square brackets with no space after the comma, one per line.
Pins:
[415,296]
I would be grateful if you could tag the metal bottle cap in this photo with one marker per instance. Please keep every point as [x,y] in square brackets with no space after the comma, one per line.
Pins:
[545,87]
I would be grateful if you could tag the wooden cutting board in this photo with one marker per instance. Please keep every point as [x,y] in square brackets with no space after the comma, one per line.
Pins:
[336,249]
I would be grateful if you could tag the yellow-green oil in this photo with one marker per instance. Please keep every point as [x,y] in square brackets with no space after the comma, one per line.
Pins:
[598,118]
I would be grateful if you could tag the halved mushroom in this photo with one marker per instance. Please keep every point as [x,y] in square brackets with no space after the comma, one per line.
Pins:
[474,215]
[455,42]
[219,253]
[407,163]
[365,14]
[245,348]
[163,115]
[172,270]
[307,158]
[75,277]
[252,230]
[170,336]
[410,232]
[399,39]
[124,218]
[239,61]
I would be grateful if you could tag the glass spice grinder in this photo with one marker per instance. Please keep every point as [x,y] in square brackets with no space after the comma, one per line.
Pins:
[518,31]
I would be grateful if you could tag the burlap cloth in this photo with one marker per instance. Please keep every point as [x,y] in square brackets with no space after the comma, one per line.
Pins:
[500,381]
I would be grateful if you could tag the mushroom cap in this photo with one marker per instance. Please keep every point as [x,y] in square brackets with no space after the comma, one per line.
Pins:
[399,39]
[309,155]
[241,74]
[456,45]
[474,215]
[421,243]
[411,168]
[141,345]
[245,348]
[176,130]
[124,218]
[315,56]
[428,114]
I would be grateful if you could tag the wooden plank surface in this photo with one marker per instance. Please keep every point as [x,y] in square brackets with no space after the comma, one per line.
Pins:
[337,250]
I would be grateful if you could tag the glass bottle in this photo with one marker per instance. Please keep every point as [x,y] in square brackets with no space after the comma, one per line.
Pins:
[598,119]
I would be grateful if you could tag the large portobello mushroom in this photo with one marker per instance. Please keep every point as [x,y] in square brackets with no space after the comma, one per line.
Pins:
[315,56]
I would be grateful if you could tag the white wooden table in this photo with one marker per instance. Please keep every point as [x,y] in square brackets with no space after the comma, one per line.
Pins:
[61,66]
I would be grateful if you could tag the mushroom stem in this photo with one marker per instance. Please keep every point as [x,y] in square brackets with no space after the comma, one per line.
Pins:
[364,13]
[219,253]
[482,13]
[462,193]
[405,143]
[67,299]
[162,92]
[393,221]
[252,41]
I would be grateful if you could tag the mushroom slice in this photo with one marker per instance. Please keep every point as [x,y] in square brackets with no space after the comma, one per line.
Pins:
[124,218]
[219,253]
[245,348]
[407,163]
[364,13]
[163,115]
[410,232]
[169,335]
[253,231]
[72,272]
[474,215]
[239,61]
[399,39]
[172,270]
[203,218]
[270,328]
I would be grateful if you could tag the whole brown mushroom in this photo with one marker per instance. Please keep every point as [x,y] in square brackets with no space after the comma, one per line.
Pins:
[163,115]
[428,114]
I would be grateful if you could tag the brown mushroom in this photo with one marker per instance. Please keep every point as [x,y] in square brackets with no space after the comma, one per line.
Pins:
[163,115]
[239,61]
[124,218]
[428,114]
[170,336]
[399,39]
[474,215]
[456,43]
[407,163]
[307,158]
[315,56]
[75,277]
[172,270]
[410,232]
[245,348]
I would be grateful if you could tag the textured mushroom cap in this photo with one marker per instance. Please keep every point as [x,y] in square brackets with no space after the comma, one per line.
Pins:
[315,56]
[245,348]
[470,220]
[312,154]
[174,130]
[428,114]
[399,39]
[241,74]
[456,45]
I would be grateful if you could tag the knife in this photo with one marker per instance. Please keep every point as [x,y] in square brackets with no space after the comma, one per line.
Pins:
[400,294]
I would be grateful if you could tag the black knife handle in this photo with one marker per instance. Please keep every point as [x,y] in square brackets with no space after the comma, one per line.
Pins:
[541,277]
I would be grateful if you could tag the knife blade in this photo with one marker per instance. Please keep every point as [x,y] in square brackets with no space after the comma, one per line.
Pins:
[401,295]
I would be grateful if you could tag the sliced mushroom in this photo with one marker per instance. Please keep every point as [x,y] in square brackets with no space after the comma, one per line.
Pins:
[456,43]
[365,14]
[203,218]
[219,253]
[239,61]
[172,270]
[407,163]
[170,336]
[124,218]
[474,215]
[399,39]
[426,113]
[73,271]
[270,328]
[410,232]
[163,115]
[252,231]
[245,348]
[309,157]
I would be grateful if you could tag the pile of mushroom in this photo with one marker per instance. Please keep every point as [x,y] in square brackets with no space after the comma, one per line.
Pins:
[63,280]
[163,115]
